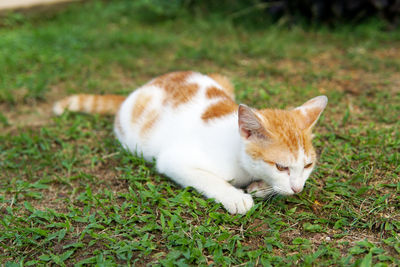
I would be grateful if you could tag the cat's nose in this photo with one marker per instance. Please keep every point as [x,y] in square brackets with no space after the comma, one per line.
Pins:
[297,189]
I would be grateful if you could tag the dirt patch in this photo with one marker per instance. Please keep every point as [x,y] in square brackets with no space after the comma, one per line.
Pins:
[260,229]
[387,53]
[328,71]
[344,243]
[30,112]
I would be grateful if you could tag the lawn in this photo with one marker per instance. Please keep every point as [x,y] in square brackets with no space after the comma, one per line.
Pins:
[70,195]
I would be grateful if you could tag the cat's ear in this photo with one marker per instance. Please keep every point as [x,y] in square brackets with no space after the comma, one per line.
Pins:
[249,123]
[311,110]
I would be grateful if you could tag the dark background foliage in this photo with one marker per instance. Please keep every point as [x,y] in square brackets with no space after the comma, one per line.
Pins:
[290,12]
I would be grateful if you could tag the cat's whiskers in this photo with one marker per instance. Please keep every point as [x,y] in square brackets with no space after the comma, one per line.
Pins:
[267,191]
[278,190]
[269,197]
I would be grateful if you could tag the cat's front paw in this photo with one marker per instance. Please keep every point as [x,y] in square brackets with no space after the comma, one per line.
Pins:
[237,202]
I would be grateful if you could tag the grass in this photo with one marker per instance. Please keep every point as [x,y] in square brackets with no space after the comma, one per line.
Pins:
[70,195]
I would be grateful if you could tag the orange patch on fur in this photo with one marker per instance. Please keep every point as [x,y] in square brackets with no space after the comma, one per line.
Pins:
[178,90]
[283,127]
[114,102]
[219,109]
[269,162]
[102,104]
[269,153]
[173,77]
[182,93]
[81,100]
[214,92]
[224,82]
[139,106]
[285,137]
[150,120]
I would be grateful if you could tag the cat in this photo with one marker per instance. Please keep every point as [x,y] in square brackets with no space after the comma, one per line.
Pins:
[199,136]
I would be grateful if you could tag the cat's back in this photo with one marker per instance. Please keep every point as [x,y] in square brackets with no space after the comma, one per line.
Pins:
[172,108]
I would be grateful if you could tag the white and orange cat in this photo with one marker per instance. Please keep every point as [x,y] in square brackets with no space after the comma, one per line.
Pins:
[199,136]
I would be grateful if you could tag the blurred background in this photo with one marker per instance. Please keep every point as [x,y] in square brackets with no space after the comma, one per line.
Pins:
[331,12]
[289,12]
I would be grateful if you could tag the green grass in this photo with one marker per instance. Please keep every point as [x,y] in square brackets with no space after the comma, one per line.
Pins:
[69,194]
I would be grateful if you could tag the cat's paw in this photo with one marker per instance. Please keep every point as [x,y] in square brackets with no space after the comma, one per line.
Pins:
[237,202]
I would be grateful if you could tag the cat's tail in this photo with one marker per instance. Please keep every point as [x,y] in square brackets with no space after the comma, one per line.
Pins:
[102,104]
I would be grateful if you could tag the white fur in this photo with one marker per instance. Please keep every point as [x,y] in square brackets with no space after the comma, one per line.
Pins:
[281,182]
[87,107]
[208,156]
[58,108]
[74,103]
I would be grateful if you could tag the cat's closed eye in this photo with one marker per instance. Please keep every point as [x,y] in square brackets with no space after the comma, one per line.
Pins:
[281,168]
[308,165]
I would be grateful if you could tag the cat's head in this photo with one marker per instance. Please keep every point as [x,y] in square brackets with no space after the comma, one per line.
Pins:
[277,144]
